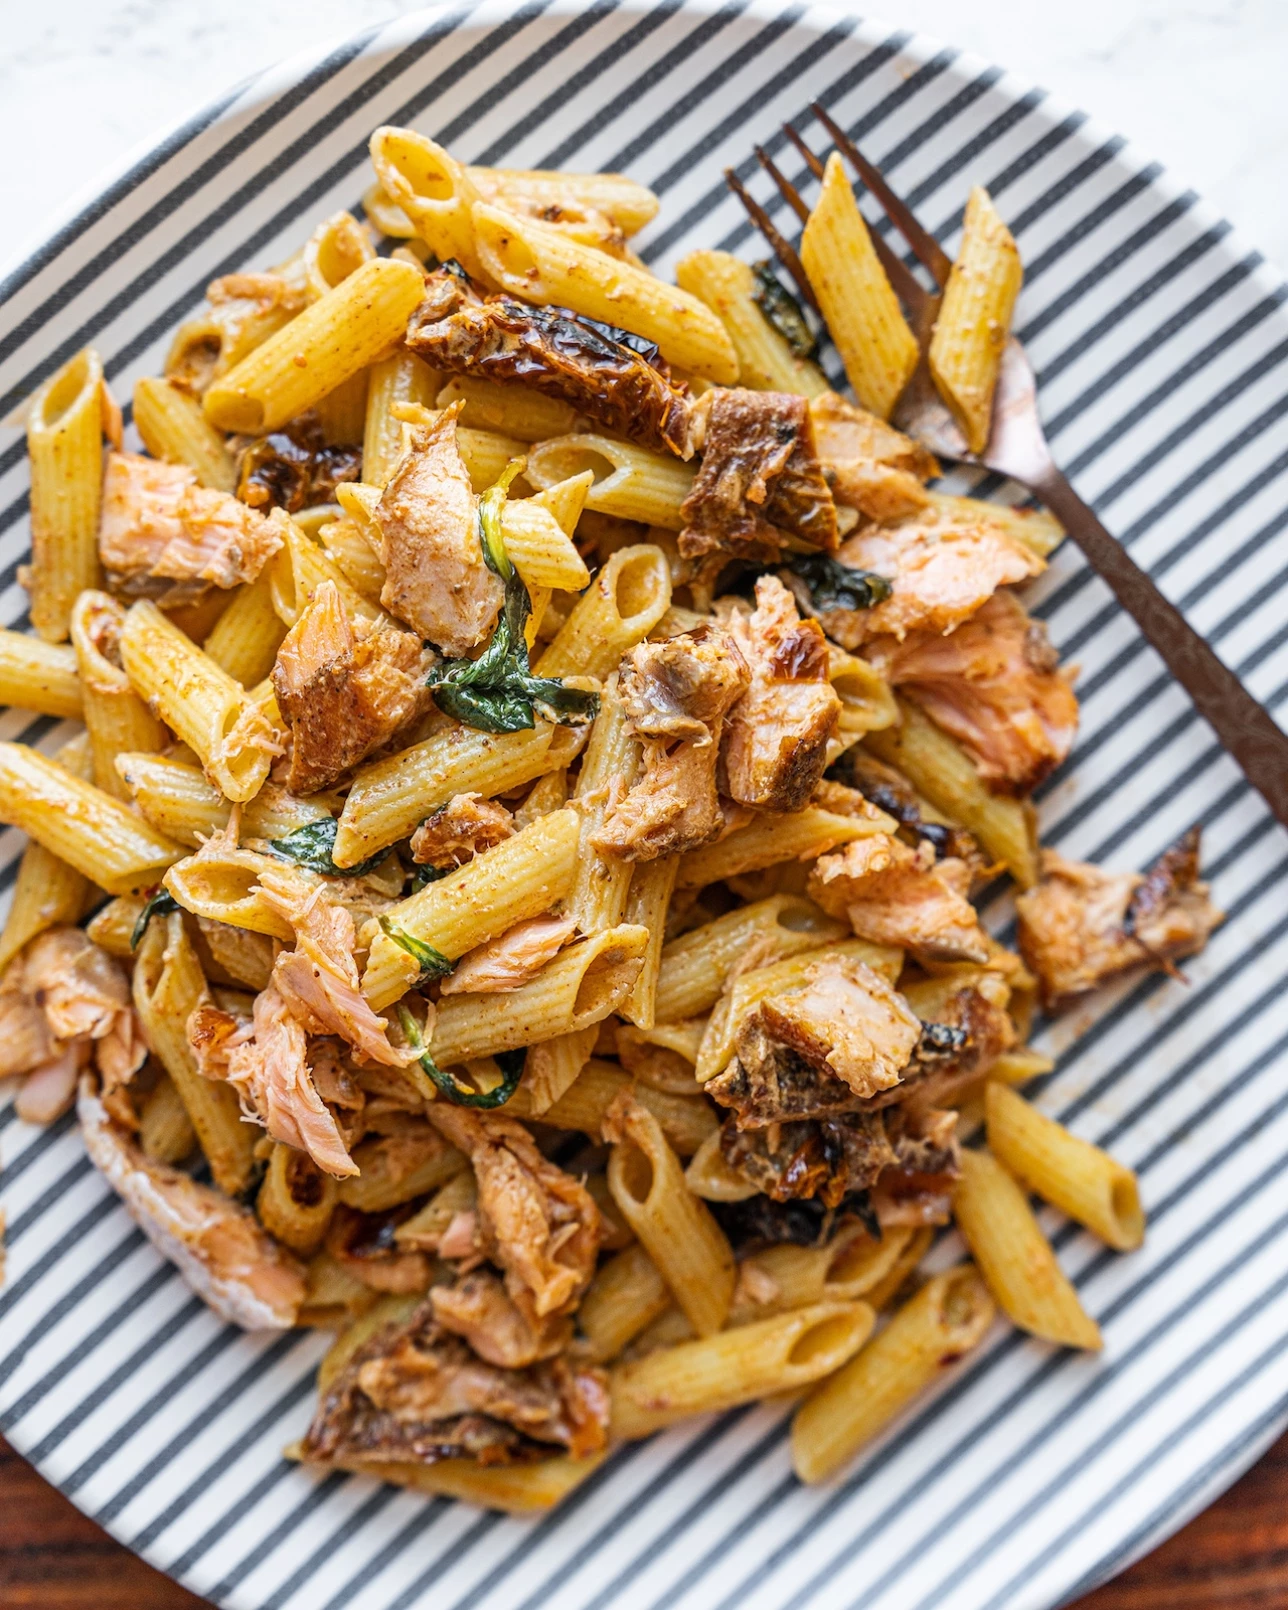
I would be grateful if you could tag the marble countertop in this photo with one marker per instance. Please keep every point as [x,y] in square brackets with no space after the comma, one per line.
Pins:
[1197,84]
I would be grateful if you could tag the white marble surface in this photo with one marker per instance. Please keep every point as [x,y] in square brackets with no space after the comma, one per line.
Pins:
[1200,84]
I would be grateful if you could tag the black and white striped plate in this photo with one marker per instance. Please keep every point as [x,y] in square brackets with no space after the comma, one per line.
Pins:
[1160,343]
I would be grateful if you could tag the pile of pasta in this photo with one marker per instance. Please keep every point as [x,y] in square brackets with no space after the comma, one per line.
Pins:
[510,901]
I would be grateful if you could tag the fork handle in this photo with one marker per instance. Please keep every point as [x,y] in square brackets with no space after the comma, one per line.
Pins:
[1245,728]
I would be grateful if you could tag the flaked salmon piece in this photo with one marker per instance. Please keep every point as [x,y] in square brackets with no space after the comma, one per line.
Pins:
[362,1245]
[458,831]
[775,742]
[1081,925]
[540,1225]
[265,1059]
[760,484]
[479,1309]
[344,689]
[318,980]
[216,1244]
[435,576]
[416,1392]
[49,1089]
[511,959]
[995,685]
[893,895]
[25,1040]
[676,695]
[941,570]
[163,535]
[869,465]
[80,988]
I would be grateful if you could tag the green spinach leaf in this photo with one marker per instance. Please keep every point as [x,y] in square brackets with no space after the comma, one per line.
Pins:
[311,847]
[432,963]
[833,585]
[160,904]
[782,310]
[462,1095]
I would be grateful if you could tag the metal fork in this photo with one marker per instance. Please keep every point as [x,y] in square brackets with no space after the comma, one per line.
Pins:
[1017,448]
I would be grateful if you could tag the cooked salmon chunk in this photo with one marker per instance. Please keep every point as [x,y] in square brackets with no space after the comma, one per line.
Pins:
[435,578]
[163,535]
[941,569]
[893,895]
[457,832]
[1082,925]
[869,465]
[344,689]
[994,683]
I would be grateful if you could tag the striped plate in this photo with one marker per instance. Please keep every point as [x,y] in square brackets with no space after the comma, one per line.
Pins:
[1160,343]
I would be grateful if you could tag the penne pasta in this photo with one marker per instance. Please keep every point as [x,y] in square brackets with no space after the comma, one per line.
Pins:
[550,1069]
[79,823]
[629,482]
[601,883]
[515,411]
[540,264]
[47,892]
[765,361]
[39,676]
[207,708]
[947,1317]
[403,378]
[773,837]
[1040,532]
[965,353]
[174,427]
[179,802]
[628,597]
[782,1354]
[517,1489]
[1014,1256]
[248,634]
[1072,1174]
[859,307]
[339,334]
[651,887]
[687,1121]
[165,1131]
[66,420]
[626,1295]
[116,717]
[168,988]
[296,1200]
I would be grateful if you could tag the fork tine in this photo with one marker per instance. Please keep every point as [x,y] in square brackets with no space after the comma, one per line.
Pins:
[783,249]
[906,286]
[922,242]
[811,161]
[788,191]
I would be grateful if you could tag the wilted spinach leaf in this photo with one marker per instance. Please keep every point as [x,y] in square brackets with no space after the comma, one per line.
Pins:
[497,692]
[833,585]
[432,963]
[160,904]
[782,310]
[311,847]
[462,1095]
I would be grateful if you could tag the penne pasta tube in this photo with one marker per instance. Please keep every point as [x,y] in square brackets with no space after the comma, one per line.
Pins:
[1015,1258]
[402,378]
[847,1267]
[626,1295]
[541,551]
[349,547]
[687,1121]
[551,1068]
[674,1227]
[888,1288]
[433,190]
[213,714]
[1040,532]
[390,798]
[867,704]
[782,1354]
[941,770]
[248,634]
[115,716]
[79,823]
[516,1489]
[299,570]
[599,890]
[765,361]
[165,1131]
[947,1317]
[339,334]
[1019,1066]
[333,1297]
[712,1178]
[338,247]
[295,1200]
[342,413]
[112,926]
[859,308]
[775,836]
[168,987]
[628,481]
[39,676]
[540,264]
[65,426]
[390,1172]
[1072,1174]
[486,454]
[222,885]
[694,967]
[47,892]
[174,427]
[647,902]
[179,802]
[620,608]
[580,987]
[630,205]
[513,410]
[974,322]
[521,877]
